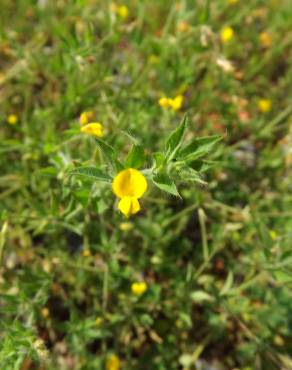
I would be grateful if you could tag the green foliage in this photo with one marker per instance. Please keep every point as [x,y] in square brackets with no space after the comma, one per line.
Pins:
[212,242]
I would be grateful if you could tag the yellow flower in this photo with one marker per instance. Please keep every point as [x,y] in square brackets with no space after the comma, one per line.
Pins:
[12,119]
[126,226]
[265,39]
[176,103]
[86,253]
[226,34]
[164,102]
[129,185]
[273,234]
[113,363]
[139,288]
[98,321]
[232,2]
[123,11]
[183,26]
[94,129]
[45,312]
[86,117]
[264,105]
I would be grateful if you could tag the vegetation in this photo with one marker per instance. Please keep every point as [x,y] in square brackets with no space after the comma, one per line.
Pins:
[145,186]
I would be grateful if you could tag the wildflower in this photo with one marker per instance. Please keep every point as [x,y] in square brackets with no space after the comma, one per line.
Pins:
[226,34]
[273,234]
[129,185]
[176,103]
[264,105]
[265,39]
[94,129]
[232,2]
[12,119]
[139,288]
[113,363]
[164,102]
[86,117]
[122,11]
[126,226]
[86,252]
[98,321]
[183,26]
[45,312]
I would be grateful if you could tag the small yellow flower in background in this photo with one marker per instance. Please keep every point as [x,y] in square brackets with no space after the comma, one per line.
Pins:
[45,312]
[232,2]
[164,102]
[12,119]
[139,288]
[183,26]
[86,117]
[98,321]
[86,253]
[176,103]
[264,105]
[126,226]
[113,363]
[226,34]
[123,11]
[153,59]
[273,234]
[129,185]
[94,129]
[265,39]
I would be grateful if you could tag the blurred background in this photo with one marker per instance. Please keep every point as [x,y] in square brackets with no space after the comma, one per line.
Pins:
[81,287]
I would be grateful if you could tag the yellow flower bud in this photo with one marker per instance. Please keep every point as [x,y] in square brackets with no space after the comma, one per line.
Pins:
[12,119]
[226,34]
[264,105]
[113,363]
[139,288]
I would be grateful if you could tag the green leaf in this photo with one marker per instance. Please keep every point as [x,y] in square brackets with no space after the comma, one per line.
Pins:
[136,157]
[187,173]
[110,154]
[91,172]
[174,141]
[228,284]
[165,183]
[198,147]
[200,296]
[159,159]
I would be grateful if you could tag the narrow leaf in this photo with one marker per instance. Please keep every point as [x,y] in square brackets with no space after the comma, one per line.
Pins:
[198,147]
[91,172]
[174,141]
[136,157]
[165,183]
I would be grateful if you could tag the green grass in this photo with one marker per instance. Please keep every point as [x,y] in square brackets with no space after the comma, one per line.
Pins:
[217,260]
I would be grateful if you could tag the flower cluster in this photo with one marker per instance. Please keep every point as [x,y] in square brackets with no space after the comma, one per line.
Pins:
[88,126]
[175,103]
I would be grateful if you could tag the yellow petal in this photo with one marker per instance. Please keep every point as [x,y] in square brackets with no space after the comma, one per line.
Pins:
[226,34]
[129,206]
[176,103]
[129,183]
[164,102]
[94,129]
